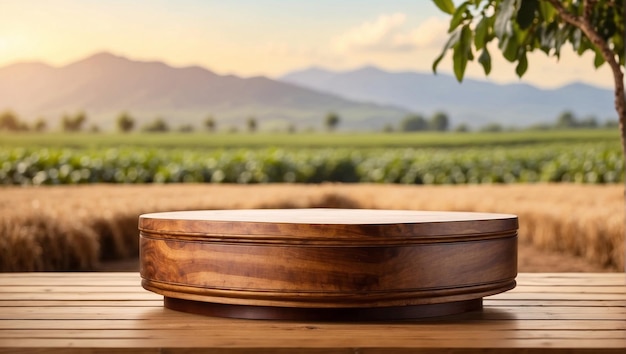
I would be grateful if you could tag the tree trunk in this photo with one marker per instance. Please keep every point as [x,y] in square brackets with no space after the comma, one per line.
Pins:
[584,23]
[620,107]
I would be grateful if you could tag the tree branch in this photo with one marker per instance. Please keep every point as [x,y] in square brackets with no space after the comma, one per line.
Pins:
[584,23]
[565,15]
[588,8]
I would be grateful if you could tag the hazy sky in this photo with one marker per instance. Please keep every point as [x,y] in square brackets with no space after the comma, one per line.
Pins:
[257,37]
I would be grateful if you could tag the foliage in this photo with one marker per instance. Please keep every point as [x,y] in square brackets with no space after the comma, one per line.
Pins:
[210,124]
[73,123]
[567,120]
[94,128]
[331,121]
[521,27]
[413,123]
[558,162]
[125,123]
[462,128]
[9,121]
[157,126]
[439,122]
[198,140]
[492,128]
[252,124]
[40,125]
[186,128]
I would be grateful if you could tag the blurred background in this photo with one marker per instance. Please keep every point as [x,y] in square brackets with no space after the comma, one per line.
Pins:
[112,109]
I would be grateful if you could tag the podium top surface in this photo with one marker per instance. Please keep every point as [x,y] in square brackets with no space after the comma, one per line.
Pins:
[329,216]
[353,224]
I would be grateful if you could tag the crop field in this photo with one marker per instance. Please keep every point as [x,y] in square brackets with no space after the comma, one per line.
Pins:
[304,140]
[521,157]
[78,227]
[71,201]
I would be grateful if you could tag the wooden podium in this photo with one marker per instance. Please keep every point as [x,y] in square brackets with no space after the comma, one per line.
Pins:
[327,264]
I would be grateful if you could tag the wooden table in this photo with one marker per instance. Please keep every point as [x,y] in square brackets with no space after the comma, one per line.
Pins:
[111,313]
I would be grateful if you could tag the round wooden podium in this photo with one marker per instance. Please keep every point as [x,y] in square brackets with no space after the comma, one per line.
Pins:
[327,264]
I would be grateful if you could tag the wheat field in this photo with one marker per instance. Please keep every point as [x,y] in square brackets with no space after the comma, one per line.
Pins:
[79,227]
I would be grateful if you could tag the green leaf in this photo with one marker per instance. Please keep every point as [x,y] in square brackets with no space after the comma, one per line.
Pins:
[546,35]
[502,27]
[480,37]
[509,49]
[462,53]
[522,65]
[485,60]
[458,16]
[526,13]
[547,11]
[460,63]
[452,41]
[599,59]
[446,6]
[584,46]
[577,42]
[608,27]
[561,36]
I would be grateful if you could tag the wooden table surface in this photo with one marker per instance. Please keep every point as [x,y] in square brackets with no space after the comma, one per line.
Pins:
[112,313]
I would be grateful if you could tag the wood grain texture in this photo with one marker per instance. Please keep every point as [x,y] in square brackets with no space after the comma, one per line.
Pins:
[325,226]
[326,258]
[86,318]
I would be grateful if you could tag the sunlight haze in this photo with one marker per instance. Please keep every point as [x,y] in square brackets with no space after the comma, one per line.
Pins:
[258,37]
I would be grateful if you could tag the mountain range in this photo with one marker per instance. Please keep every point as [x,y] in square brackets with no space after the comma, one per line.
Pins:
[473,102]
[103,85]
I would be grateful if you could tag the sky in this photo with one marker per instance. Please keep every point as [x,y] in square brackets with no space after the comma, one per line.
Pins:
[259,37]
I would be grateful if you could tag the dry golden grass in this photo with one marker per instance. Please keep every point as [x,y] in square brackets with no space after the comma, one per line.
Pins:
[77,227]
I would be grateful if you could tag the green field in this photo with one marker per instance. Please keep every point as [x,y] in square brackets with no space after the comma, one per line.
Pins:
[301,140]
[592,156]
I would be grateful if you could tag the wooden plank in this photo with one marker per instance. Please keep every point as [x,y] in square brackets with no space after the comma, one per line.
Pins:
[207,323]
[546,303]
[64,350]
[494,313]
[122,350]
[554,296]
[123,279]
[520,291]
[83,296]
[110,312]
[146,295]
[50,289]
[545,278]
[301,350]
[306,334]
[299,343]
[571,279]
[159,302]
[95,310]
[133,279]
[563,289]
[79,303]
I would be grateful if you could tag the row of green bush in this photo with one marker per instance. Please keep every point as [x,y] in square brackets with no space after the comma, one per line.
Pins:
[584,163]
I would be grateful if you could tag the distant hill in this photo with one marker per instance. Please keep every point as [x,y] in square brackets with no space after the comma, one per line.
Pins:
[473,102]
[103,85]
